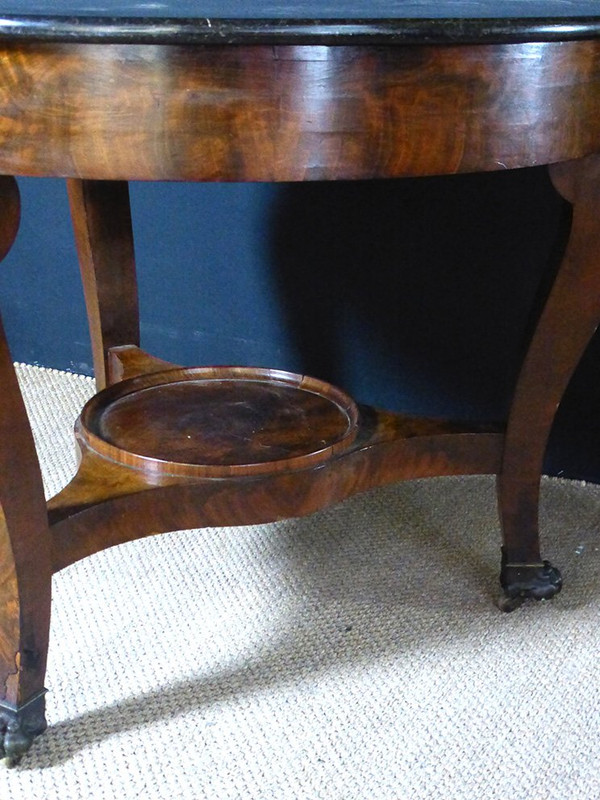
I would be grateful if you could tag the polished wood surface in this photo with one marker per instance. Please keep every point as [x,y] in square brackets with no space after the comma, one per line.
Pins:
[569,319]
[25,544]
[314,22]
[104,240]
[109,503]
[219,422]
[294,113]
[164,447]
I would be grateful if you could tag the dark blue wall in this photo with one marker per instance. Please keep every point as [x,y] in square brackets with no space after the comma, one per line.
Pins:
[413,294]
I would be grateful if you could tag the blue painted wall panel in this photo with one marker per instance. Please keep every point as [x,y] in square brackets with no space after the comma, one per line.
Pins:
[413,295]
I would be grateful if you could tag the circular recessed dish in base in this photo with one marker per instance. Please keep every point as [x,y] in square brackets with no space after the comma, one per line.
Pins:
[219,422]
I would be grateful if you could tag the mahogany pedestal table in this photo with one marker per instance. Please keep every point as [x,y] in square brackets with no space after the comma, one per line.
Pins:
[289,91]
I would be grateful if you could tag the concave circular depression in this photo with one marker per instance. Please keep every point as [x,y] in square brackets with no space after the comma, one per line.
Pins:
[220,422]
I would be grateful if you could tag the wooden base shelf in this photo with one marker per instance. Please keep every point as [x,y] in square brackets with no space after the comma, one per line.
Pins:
[264,445]
[194,447]
[217,422]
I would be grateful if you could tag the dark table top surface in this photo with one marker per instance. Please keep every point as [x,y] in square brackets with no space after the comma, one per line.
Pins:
[299,21]
[304,9]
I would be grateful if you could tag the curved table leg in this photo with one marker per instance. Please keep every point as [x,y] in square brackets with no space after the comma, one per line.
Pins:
[25,571]
[567,323]
[103,234]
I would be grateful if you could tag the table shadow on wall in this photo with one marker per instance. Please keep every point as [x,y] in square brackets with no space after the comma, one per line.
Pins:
[420,295]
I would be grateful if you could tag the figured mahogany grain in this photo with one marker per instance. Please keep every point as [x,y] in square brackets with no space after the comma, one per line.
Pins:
[153,457]
[570,317]
[219,421]
[25,569]
[104,239]
[129,361]
[294,113]
[108,503]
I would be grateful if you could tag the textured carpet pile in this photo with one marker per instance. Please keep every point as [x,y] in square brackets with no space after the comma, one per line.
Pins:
[354,655]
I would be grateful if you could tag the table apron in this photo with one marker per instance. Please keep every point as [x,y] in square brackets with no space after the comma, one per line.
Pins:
[291,113]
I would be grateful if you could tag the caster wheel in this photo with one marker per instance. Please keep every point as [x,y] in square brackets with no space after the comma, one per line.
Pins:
[522,581]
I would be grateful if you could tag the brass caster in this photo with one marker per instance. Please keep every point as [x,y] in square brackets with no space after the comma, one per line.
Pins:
[522,581]
[19,727]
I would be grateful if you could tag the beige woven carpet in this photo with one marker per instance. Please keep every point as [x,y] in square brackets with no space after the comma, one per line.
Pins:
[357,654]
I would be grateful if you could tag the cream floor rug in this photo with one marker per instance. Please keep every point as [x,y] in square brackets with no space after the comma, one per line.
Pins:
[354,655]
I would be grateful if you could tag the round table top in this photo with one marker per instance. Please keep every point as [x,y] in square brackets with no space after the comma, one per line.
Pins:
[299,21]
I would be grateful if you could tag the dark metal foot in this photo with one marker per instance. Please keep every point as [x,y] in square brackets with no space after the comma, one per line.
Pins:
[520,581]
[20,726]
